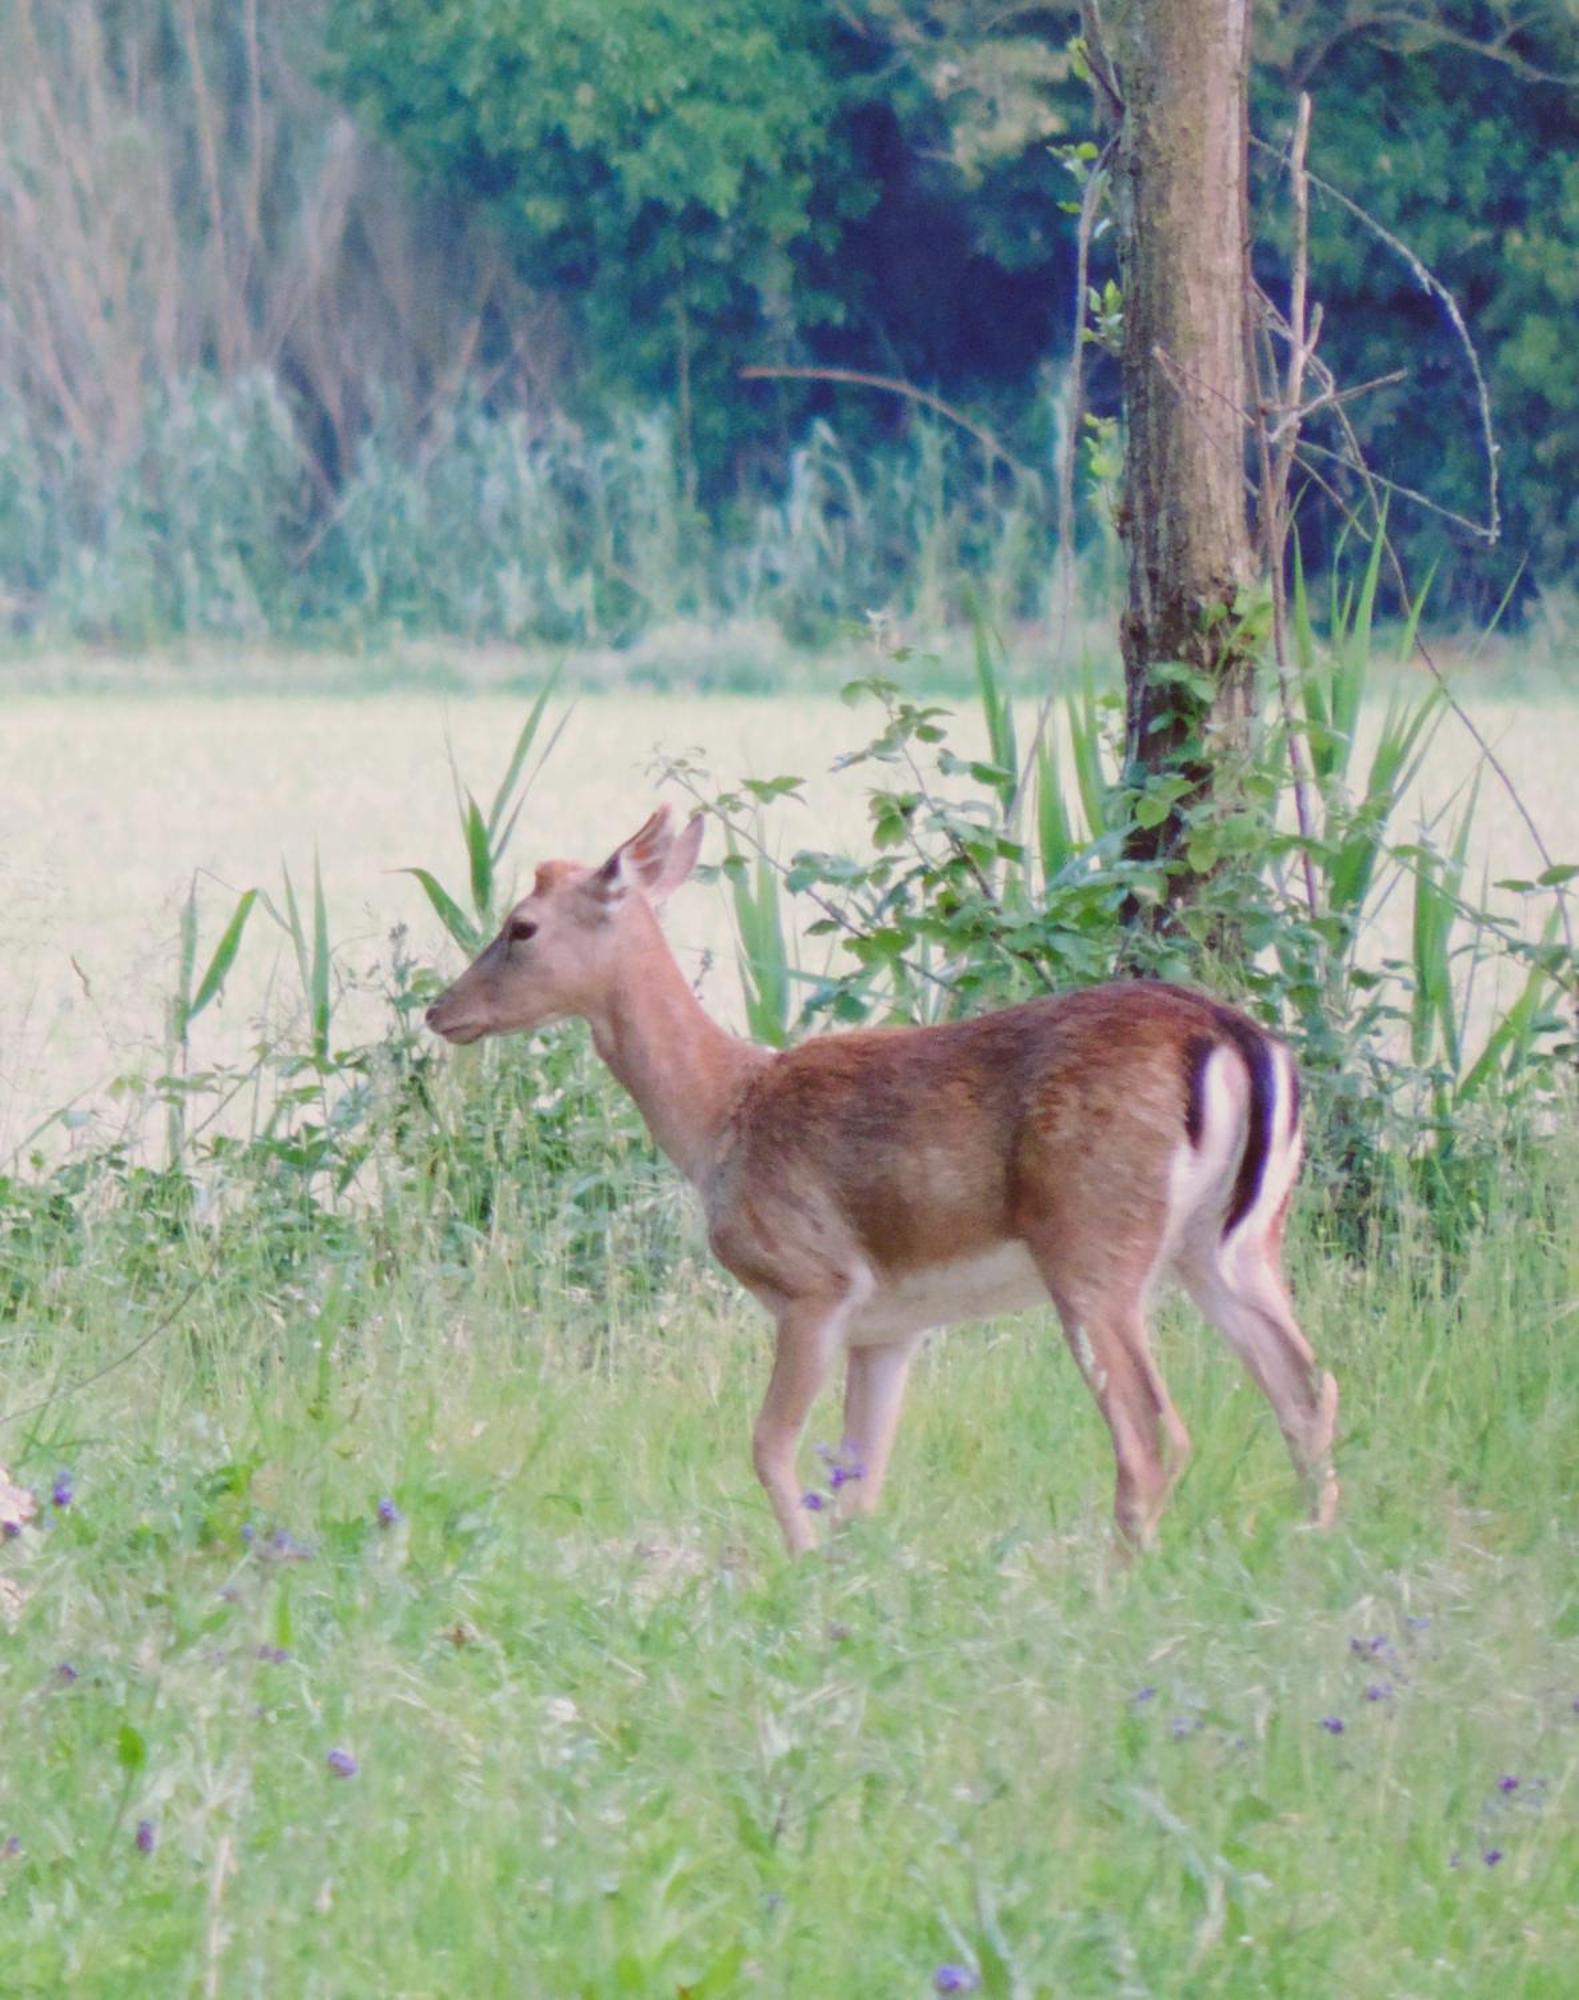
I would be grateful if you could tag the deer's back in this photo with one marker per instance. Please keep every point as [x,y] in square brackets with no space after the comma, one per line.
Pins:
[915,1147]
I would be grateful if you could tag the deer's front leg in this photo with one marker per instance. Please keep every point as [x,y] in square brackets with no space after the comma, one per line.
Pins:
[810,1332]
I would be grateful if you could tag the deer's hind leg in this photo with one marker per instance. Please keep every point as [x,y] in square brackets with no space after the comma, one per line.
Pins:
[1103,1313]
[1239,1287]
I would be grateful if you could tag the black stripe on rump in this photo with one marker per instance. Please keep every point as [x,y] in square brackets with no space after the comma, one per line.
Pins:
[1261,1062]
[1198,1053]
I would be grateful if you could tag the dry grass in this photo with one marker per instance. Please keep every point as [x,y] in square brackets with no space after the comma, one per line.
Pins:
[112,801]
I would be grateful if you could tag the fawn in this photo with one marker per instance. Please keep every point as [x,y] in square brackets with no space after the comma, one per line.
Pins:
[868,1187]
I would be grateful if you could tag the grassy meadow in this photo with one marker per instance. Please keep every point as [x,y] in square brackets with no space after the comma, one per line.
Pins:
[396,1612]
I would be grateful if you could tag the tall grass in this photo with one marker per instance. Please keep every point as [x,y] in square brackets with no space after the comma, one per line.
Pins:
[493,529]
[607,1743]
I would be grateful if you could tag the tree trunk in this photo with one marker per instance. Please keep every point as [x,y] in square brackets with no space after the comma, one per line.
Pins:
[1180,190]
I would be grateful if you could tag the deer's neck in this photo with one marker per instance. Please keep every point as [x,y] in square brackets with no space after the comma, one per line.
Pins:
[684,1071]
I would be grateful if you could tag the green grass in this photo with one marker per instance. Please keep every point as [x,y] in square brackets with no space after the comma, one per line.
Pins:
[609,1742]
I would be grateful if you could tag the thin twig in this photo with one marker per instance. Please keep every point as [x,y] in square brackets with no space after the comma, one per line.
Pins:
[1074,409]
[1074,417]
[894,386]
[1098,60]
[215,1937]
[1295,419]
[1375,484]
[1276,465]
[1489,530]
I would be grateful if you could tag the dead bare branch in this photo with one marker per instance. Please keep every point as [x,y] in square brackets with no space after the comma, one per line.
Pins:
[1490,529]
[994,448]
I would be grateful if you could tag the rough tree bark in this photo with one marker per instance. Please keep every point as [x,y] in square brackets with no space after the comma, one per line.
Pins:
[1180,188]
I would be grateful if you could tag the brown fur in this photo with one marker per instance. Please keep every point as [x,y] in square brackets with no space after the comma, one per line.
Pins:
[866,1185]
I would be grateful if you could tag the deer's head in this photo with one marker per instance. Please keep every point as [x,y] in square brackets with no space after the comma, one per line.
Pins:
[566,947]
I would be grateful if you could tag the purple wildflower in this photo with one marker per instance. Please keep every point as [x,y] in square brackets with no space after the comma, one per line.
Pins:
[1333,1724]
[1420,1623]
[1492,1856]
[1379,1691]
[66,1673]
[843,1464]
[11,1846]
[147,1836]
[249,1533]
[813,1502]
[388,1512]
[955,1979]
[342,1763]
[1507,1784]
[62,1493]
[275,1655]
[1144,1694]
[12,1529]
[1375,1644]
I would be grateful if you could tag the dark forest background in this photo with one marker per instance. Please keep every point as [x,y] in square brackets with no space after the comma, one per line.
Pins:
[332,318]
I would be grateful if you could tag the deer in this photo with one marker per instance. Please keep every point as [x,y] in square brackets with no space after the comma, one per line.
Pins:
[871,1186]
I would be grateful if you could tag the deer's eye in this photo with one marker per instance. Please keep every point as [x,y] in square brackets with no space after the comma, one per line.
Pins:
[522,929]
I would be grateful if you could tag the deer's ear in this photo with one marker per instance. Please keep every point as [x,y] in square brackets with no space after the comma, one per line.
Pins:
[680,860]
[637,863]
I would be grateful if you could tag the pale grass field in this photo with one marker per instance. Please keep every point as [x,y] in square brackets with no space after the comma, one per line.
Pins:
[109,803]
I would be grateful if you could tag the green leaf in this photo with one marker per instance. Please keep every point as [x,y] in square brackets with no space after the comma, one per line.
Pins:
[319,992]
[185,961]
[131,1750]
[450,914]
[298,935]
[480,855]
[518,757]
[224,957]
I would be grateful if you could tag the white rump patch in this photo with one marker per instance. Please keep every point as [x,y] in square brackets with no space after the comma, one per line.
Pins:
[1202,1178]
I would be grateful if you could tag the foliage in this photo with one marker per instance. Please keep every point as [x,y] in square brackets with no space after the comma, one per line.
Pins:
[684,156]
[990,879]
[346,1147]
[547,535]
[179,201]
[925,223]
[257,379]
[1456,128]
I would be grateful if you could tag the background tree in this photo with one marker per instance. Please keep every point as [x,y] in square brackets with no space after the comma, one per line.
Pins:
[1180,189]
[671,170]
